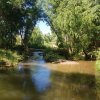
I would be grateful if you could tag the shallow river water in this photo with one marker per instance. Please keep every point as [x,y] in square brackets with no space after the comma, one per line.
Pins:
[37,80]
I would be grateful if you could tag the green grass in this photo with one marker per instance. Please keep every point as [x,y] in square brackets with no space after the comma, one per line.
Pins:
[9,57]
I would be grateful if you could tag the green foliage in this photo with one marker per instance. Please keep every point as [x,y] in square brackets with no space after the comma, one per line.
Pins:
[36,39]
[98,66]
[18,40]
[78,57]
[76,24]
[9,23]
[17,17]
[8,57]
[51,55]
[98,54]
[50,40]
[98,61]
[39,40]
[98,69]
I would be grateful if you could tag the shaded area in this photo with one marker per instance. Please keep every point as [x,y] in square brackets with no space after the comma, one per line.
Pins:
[38,84]
[33,80]
[72,87]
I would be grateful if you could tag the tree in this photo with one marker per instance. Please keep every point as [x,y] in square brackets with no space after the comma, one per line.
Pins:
[17,17]
[36,39]
[9,23]
[30,17]
[50,40]
[75,22]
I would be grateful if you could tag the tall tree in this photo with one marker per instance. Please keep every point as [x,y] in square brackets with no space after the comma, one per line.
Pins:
[75,22]
[30,17]
[17,17]
[36,39]
[9,22]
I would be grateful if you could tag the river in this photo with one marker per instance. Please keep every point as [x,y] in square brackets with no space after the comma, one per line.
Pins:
[38,80]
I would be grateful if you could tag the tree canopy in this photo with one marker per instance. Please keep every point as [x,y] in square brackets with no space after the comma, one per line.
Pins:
[75,22]
[17,17]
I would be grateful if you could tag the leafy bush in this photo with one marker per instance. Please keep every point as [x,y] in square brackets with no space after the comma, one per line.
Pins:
[98,62]
[8,57]
[51,57]
[98,54]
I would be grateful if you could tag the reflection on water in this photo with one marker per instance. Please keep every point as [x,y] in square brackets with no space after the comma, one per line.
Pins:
[38,82]
[85,67]
[41,77]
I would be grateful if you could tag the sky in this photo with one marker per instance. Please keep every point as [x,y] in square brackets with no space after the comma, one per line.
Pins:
[43,27]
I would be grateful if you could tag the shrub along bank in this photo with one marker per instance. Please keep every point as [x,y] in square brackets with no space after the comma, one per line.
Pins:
[9,58]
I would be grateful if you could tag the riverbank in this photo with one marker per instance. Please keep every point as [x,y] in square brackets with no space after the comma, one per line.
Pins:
[9,58]
[61,55]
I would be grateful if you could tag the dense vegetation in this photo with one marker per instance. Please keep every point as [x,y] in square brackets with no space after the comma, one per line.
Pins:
[17,17]
[75,26]
[9,58]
